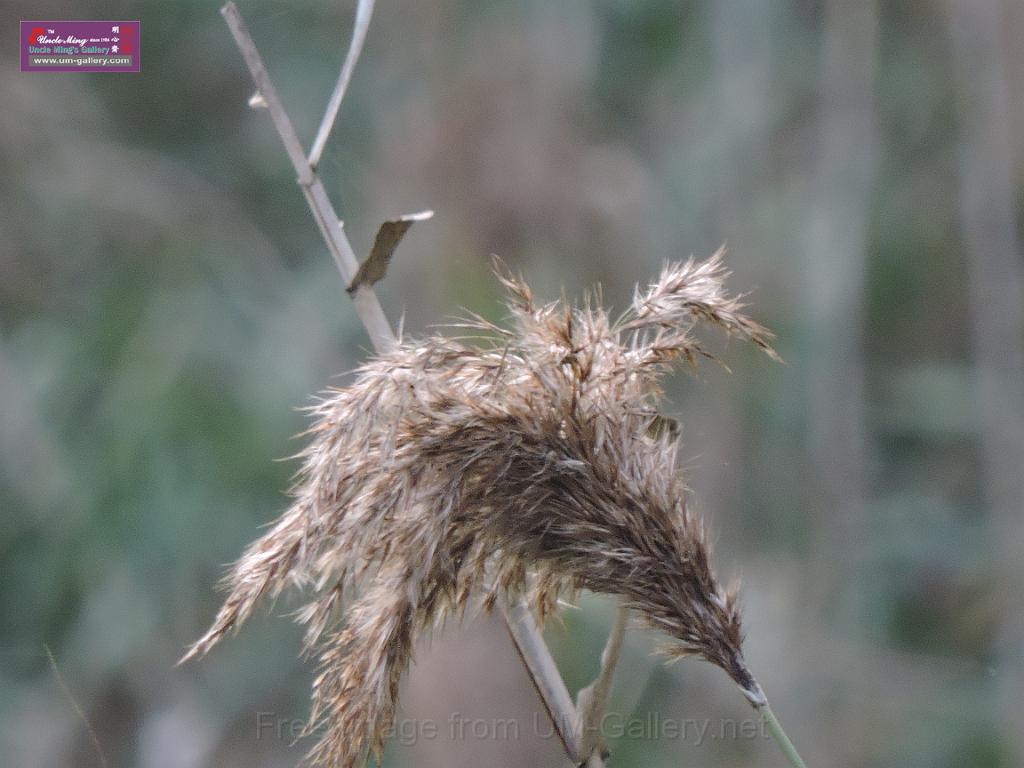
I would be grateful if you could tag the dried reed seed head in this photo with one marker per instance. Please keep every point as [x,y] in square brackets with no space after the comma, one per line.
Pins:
[531,465]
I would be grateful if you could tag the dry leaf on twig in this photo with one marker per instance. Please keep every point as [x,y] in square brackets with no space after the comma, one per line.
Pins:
[388,237]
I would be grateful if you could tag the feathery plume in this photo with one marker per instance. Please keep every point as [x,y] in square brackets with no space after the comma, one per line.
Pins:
[531,466]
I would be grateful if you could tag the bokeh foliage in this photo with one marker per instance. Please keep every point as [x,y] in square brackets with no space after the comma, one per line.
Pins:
[166,304]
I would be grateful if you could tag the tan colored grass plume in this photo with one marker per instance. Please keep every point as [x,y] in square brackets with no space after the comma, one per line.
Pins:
[528,465]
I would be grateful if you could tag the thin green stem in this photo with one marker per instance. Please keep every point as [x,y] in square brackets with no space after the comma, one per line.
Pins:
[780,736]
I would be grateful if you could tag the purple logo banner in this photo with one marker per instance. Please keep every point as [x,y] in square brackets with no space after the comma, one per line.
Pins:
[80,46]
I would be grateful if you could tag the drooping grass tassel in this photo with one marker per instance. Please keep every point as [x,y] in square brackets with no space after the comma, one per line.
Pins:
[525,468]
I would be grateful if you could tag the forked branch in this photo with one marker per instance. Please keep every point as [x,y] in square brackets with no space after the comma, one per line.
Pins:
[364,11]
[592,701]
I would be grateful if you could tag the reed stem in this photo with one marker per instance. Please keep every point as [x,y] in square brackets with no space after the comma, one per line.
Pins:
[775,728]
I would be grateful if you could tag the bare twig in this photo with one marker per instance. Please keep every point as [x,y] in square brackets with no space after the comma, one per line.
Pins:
[74,703]
[363,13]
[527,636]
[367,305]
[592,700]
[546,678]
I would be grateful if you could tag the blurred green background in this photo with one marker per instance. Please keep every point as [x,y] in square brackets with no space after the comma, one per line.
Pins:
[166,304]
